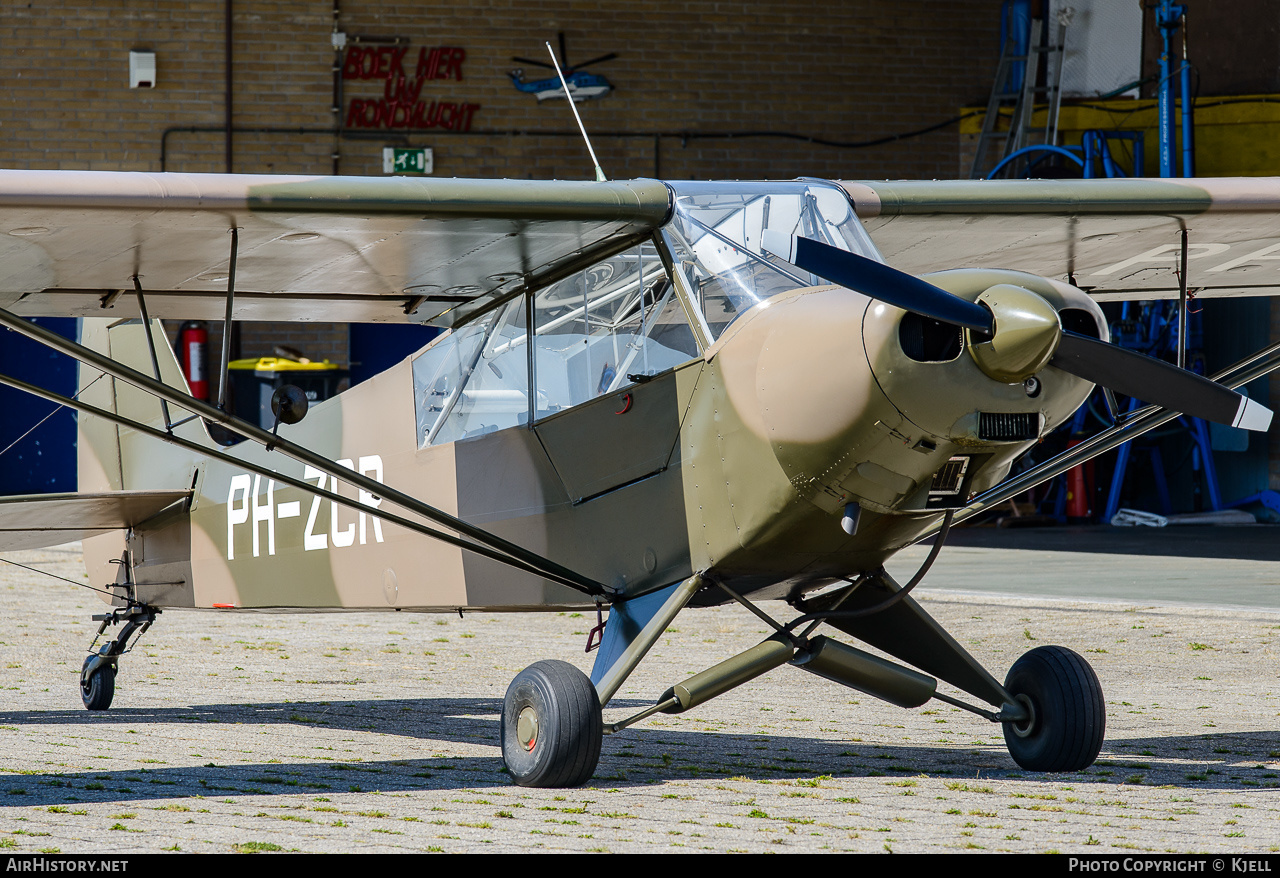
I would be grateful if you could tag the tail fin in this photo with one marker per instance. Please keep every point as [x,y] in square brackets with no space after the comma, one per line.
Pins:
[112,458]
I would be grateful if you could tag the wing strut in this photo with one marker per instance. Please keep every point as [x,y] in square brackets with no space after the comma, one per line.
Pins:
[223,381]
[223,456]
[151,346]
[497,548]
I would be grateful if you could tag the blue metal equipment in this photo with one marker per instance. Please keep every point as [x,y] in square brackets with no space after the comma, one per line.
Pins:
[1169,18]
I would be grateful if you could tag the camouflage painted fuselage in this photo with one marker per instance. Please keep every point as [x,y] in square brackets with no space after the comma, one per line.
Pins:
[738,463]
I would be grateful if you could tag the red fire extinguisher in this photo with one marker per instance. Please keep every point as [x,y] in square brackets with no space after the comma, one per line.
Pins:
[193,340]
[1079,489]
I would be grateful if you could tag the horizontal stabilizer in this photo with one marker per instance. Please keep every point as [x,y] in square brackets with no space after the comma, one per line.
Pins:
[33,521]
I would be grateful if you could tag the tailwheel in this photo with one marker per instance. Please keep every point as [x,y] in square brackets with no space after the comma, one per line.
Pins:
[1067,716]
[551,726]
[97,686]
[98,673]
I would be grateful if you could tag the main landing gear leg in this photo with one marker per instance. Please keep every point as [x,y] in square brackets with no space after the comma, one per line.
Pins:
[1051,703]
[98,674]
[552,727]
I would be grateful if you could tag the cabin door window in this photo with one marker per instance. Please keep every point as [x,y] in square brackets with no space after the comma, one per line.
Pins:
[606,328]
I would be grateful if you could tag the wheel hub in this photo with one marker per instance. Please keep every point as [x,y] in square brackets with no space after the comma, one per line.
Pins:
[1027,726]
[527,728]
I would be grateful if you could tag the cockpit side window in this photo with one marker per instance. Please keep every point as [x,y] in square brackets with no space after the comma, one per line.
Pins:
[595,332]
[471,382]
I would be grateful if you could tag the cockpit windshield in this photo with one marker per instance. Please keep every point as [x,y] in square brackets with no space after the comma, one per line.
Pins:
[624,319]
[723,237]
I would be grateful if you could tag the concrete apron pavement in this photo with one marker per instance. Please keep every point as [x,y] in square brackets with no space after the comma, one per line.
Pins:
[379,732]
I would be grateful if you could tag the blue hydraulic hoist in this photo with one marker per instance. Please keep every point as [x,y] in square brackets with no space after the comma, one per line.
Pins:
[1158,329]
[1168,328]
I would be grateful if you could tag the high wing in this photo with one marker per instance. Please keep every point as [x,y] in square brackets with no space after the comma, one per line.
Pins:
[1116,239]
[340,249]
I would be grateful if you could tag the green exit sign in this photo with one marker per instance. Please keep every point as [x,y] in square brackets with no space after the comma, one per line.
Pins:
[406,160]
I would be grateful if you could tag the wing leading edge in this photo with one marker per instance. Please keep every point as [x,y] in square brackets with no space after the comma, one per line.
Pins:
[1117,239]
[340,249]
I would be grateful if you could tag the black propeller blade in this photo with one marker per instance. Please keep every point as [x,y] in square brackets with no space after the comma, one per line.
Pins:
[1155,381]
[1108,365]
[886,284]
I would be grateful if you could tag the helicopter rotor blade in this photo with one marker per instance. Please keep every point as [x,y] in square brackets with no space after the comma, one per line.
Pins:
[608,57]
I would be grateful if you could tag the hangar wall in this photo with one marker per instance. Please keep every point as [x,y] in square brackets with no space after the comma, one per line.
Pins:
[694,84]
[847,73]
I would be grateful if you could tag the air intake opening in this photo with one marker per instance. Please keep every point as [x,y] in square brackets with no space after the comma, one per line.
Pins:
[926,340]
[1079,321]
[1008,426]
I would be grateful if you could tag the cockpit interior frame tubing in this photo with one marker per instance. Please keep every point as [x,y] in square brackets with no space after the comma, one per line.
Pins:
[688,299]
[748,252]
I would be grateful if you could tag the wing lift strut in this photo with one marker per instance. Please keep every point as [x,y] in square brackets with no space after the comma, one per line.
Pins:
[466,536]
[872,608]
[878,596]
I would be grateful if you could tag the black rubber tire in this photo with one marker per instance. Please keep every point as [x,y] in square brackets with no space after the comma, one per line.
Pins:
[100,688]
[570,730]
[1069,716]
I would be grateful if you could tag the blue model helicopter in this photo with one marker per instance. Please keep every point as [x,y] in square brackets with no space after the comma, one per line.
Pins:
[582,85]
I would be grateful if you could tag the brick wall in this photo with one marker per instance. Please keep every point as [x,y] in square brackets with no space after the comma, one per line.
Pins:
[845,72]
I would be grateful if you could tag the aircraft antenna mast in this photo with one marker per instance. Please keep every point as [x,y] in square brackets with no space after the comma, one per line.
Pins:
[600,177]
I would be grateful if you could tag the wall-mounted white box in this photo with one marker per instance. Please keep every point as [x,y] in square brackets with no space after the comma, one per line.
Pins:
[142,69]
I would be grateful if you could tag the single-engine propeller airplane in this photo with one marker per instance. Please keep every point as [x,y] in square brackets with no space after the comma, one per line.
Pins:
[652,396]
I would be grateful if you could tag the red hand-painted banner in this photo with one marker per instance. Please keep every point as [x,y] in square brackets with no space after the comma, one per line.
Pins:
[402,104]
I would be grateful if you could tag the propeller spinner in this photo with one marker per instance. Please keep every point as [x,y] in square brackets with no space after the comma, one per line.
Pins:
[1013,333]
